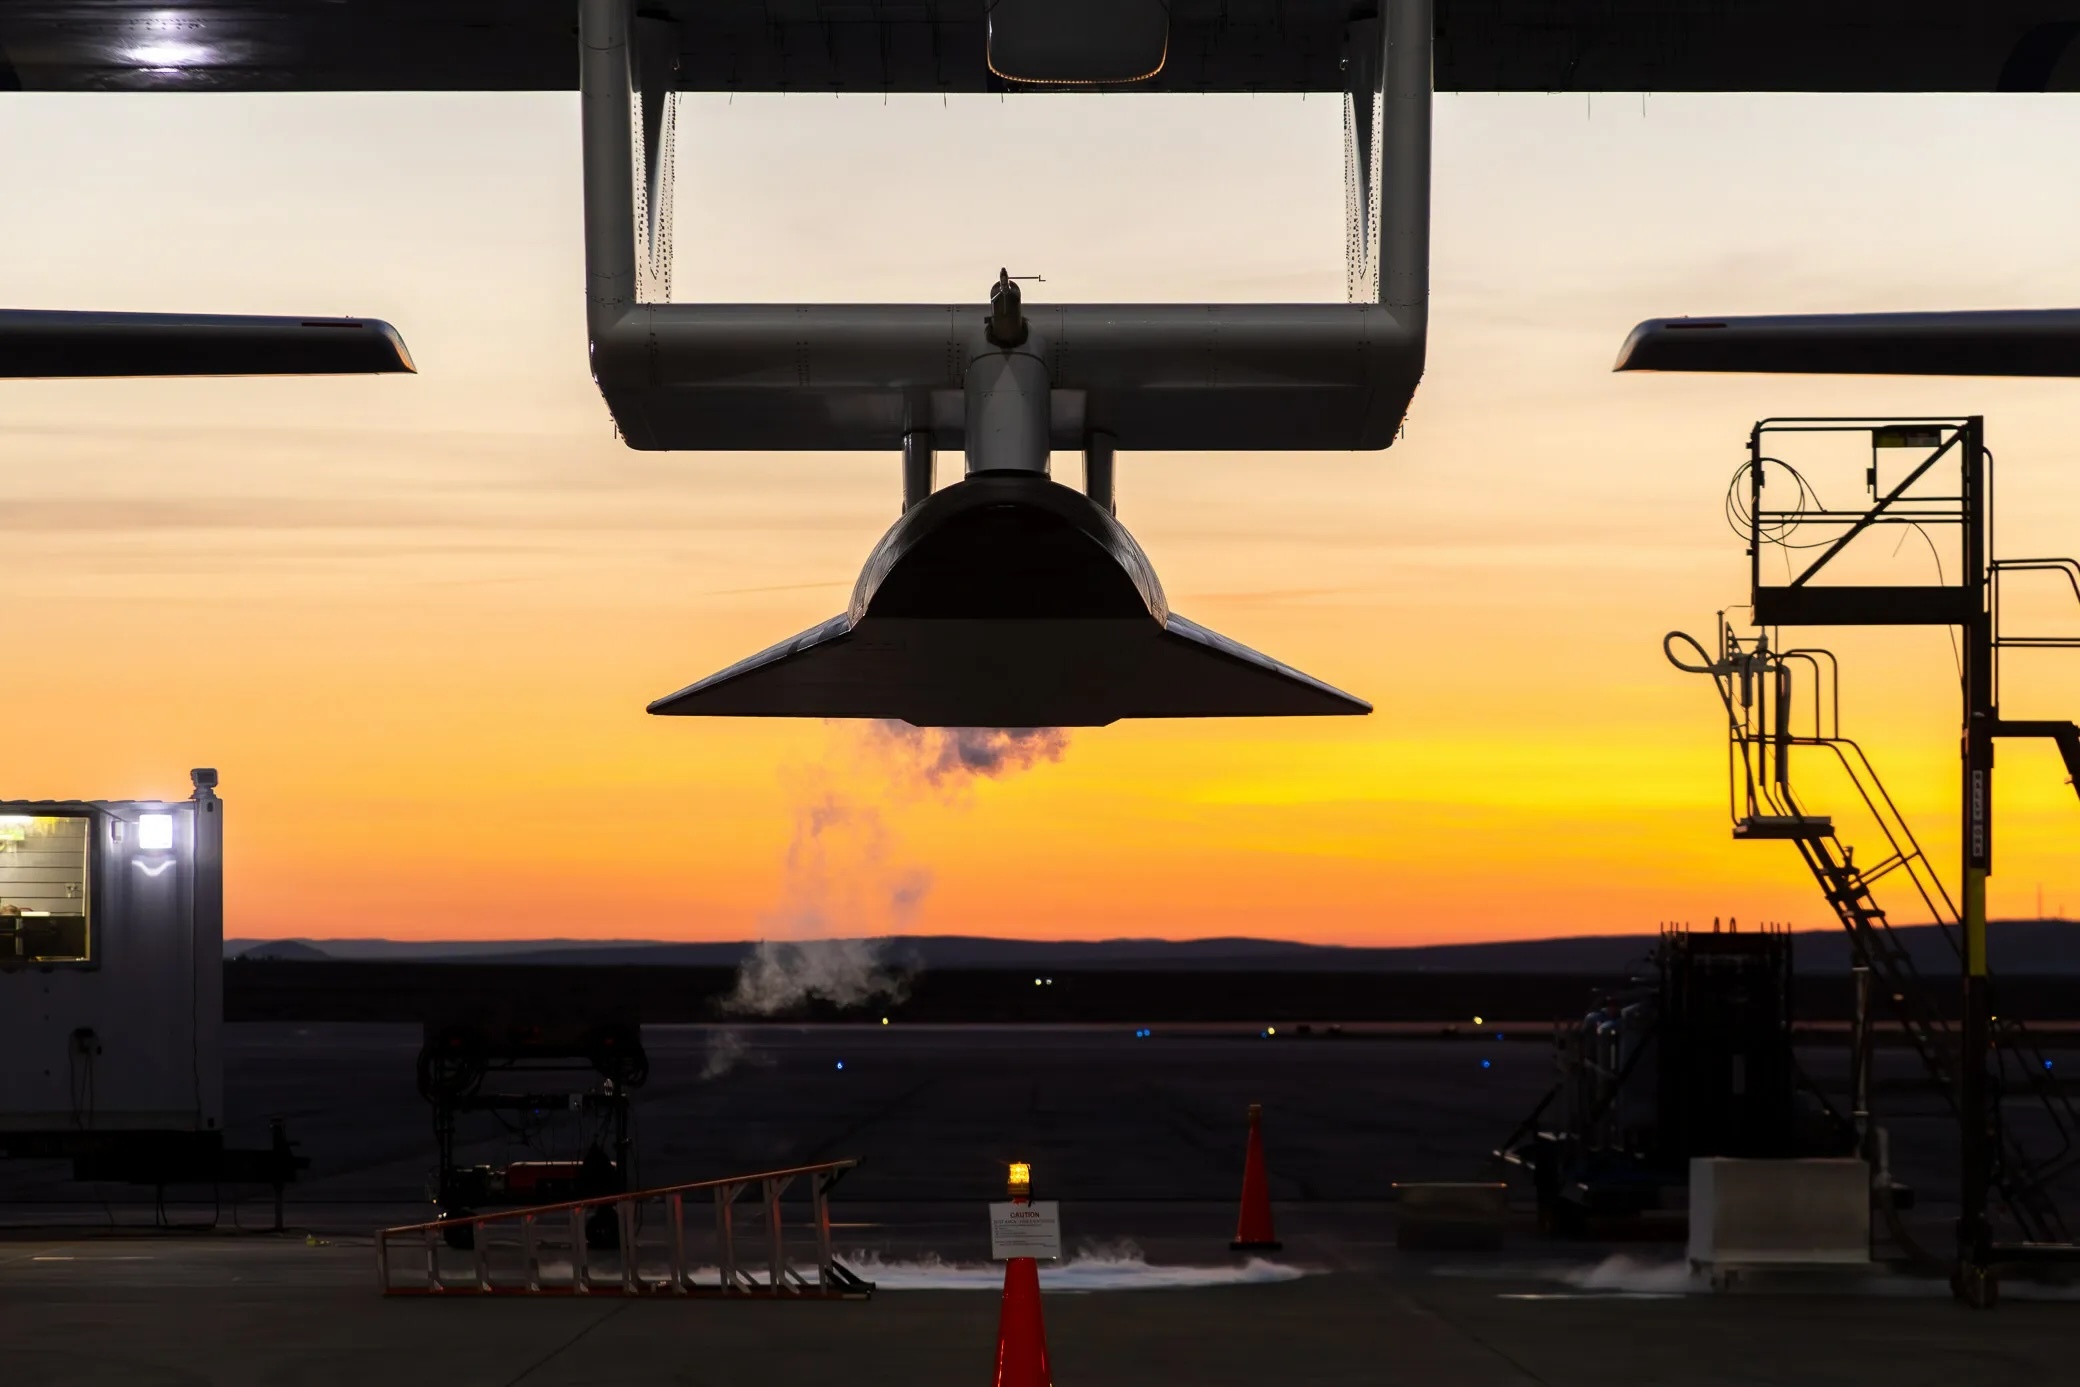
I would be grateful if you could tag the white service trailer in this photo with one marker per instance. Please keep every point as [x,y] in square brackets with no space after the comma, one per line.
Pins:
[111,971]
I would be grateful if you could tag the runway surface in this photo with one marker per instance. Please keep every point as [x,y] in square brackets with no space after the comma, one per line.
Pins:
[173,1312]
[1140,1138]
[935,1112]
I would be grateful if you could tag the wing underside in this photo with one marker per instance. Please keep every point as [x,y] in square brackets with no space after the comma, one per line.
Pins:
[37,343]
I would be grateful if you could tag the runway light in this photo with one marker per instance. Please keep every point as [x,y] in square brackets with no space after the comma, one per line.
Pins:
[155,832]
[1019,1179]
[1484,1065]
[884,1020]
[841,1064]
[2047,1064]
[1478,1022]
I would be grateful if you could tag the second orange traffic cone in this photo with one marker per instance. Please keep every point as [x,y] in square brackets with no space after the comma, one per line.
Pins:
[1021,1337]
[1253,1229]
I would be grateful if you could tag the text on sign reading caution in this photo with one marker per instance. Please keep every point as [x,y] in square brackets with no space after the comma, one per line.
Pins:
[1025,1230]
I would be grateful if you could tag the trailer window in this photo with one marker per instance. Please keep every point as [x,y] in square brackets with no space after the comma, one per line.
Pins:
[44,908]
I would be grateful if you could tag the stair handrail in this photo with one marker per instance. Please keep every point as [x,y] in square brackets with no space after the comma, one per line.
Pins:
[2018,1048]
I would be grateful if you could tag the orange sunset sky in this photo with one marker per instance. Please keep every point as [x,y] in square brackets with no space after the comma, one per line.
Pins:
[414,621]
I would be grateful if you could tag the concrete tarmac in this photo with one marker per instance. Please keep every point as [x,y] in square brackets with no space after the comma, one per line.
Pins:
[230,1311]
[935,1112]
[1140,1138]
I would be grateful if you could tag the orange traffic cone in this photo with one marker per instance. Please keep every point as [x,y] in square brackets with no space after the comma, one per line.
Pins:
[1021,1337]
[1253,1229]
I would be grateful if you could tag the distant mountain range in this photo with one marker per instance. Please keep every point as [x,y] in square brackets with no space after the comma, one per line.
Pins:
[2016,946]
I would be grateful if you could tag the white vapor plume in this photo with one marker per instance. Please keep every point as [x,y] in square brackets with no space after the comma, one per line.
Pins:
[845,879]
[781,976]
[727,1051]
[1118,1268]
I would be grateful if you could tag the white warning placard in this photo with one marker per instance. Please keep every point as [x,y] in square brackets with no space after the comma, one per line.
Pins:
[1025,1230]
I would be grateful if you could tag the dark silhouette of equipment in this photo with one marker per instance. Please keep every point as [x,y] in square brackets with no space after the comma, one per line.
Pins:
[1766,693]
[1933,476]
[456,1062]
[1694,1061]
[1724,1078]
[1008,600]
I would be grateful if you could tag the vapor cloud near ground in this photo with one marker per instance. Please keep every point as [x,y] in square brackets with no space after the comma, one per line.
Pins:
[847,873]
[781,976]
[848,876]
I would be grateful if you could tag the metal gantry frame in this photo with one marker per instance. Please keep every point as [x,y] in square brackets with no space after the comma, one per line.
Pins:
[1004,599]
[1924,498]
[892,377]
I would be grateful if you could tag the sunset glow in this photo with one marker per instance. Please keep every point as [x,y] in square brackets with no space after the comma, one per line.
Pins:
[414,621]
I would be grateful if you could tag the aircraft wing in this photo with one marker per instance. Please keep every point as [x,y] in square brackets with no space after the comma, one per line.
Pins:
[946,45]
[2017,342]
[39,343]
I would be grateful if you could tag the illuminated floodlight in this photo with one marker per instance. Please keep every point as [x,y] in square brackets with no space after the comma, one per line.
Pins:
[155,832]
[167,41]
[168,54]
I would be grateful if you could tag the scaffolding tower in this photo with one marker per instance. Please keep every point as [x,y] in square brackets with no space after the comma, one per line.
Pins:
[1940,478]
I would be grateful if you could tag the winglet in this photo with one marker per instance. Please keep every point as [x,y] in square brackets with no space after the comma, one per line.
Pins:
[2021,342]
[48,344]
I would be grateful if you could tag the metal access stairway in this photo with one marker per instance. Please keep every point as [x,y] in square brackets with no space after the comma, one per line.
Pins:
[1756,686]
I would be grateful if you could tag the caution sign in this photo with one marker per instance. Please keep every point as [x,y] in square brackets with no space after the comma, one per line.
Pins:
[1025,1230]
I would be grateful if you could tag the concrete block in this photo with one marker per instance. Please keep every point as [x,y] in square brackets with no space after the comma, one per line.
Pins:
[1779,1213]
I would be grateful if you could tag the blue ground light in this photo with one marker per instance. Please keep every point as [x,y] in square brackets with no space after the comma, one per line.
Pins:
[841,1064]
[1484,1064]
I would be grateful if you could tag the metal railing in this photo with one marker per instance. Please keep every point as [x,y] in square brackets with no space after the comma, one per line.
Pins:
[1756,689]
[610,1244]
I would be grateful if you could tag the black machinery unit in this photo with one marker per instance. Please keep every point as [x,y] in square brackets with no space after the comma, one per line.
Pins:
[578,1140]
[1724,1078]
[1693,1061]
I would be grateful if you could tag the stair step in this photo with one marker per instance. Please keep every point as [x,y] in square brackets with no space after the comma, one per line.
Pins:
[1784,826]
